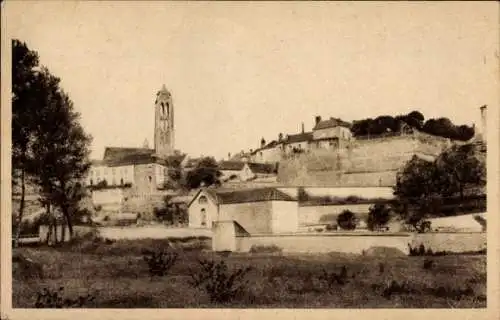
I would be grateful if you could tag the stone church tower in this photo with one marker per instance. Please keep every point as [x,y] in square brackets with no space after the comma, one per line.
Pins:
[164,124]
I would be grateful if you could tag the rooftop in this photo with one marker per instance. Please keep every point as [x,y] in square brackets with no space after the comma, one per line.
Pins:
[331,123]
[248,195]
[300,137]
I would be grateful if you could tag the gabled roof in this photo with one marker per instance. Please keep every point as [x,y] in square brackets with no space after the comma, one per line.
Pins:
[331,123]
[245,195]
[301,137]
[270,145]
[252,195]
[231,165]
[114,157]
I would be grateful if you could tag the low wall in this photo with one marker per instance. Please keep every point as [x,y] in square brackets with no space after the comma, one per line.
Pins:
[313,214]
[150,232]
[324,243]
[357,242]
[453,242]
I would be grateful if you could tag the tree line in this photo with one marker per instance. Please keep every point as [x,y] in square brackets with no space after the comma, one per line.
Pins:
[50,148]
[442,127]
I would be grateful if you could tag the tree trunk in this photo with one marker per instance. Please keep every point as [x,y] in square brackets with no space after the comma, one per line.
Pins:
[21,210]
[67,217]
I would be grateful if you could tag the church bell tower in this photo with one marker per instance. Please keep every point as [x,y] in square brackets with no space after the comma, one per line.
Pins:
[164,123]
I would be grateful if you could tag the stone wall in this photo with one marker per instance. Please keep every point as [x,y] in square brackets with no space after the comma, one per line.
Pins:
[364,163]
[324,243]
[453,242]
[358,242]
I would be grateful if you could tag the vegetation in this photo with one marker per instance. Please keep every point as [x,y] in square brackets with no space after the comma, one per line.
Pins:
[221,284]
[49,145]
[423,188]
[347,220]
[206,173]
[378,216]
[159,262]
[48,298]
[115,275]
[265,249]
[415,120]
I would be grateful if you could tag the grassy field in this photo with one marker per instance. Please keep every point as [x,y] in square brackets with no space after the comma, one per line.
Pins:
[118,277]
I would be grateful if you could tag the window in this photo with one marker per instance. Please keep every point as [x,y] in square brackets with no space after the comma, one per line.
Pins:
[150,179]
[121,181]
[203,217]
[202,200]
[91,182]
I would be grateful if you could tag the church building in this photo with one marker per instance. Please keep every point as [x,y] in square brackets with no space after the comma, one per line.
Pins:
[131,173]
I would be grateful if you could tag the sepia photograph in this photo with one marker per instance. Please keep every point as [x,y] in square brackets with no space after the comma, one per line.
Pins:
[248,155]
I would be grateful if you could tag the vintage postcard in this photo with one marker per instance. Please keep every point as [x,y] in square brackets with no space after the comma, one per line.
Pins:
[172,159]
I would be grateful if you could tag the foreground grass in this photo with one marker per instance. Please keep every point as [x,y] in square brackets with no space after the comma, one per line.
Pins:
[117,276]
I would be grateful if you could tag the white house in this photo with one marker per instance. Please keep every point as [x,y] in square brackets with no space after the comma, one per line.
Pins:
[257,211]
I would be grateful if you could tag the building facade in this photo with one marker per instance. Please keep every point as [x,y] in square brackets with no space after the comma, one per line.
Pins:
[127,175]
[257,211]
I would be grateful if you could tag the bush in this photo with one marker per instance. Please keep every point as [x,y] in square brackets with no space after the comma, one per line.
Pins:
[332,278]
[54,299]
[347,220]
[428,264]
[218,281]
[378,216]
[265,249]
[160,262]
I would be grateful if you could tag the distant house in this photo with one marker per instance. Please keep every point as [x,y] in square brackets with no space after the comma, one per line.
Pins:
[260,210]
[245,171]
[296,143]
[268,153]
[330,133]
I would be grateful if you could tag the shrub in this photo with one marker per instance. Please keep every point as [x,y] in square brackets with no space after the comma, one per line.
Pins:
[54,299]
[265,249]
[378,216]
[159,262]
[428,264]
[347,220]
[381,268]
[331,227]
[333,278]
[218,281]
[396,288]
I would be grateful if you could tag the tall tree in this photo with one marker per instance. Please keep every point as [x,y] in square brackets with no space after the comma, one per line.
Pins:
[25,104]
[460,170]
[206,173]
[61,149]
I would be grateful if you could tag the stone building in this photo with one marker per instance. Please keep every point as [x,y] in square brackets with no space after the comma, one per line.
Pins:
[129,178]
[257,211]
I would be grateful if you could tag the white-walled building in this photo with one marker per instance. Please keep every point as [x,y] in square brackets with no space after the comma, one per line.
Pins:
[262,210]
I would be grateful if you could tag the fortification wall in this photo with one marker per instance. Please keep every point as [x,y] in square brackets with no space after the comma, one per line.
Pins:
[364,163]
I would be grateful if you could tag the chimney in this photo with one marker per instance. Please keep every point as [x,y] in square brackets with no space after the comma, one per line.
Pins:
[318,119]
[280,137]
[228,155]
[483,122]
[262,143]
[302,127]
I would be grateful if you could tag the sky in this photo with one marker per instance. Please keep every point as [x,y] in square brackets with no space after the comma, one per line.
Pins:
[240,71]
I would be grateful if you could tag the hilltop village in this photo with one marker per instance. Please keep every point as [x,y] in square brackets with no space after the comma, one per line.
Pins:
[134,182]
